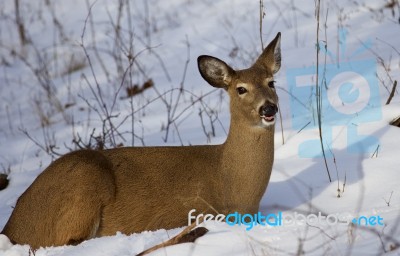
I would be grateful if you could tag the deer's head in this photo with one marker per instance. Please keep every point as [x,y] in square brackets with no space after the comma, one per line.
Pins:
[252,91]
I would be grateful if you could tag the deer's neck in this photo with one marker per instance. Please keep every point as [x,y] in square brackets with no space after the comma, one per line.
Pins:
[248,155]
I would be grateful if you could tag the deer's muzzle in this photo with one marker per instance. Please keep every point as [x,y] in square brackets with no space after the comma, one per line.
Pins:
[268,111]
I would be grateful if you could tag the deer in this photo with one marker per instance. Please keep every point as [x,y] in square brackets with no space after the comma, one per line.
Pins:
[86,194]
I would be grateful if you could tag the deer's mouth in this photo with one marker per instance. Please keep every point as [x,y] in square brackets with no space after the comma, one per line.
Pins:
[268,120]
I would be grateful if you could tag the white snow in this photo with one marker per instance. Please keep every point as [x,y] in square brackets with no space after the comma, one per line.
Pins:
[181,30]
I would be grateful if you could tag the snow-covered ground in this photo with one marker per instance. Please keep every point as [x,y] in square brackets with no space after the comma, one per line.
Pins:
[52,102]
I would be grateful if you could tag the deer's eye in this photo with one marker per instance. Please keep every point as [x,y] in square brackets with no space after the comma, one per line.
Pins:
[271,84]
[241,90]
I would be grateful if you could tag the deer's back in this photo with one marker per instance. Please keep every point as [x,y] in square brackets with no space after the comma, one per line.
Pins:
[157,186]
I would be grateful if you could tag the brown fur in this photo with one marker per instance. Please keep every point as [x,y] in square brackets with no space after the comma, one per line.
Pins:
[88,193]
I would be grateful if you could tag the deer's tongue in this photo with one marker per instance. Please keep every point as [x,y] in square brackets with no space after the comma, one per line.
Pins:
[269,118]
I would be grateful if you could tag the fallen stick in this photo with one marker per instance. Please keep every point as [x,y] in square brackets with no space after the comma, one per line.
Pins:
[188,235]
[396,122]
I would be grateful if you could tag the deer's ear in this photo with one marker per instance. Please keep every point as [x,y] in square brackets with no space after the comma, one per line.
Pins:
[216,72]
[271,56]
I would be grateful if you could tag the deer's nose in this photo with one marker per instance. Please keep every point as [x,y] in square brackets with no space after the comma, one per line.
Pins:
[268,110]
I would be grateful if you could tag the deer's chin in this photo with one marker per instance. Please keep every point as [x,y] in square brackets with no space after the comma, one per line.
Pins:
[267,120]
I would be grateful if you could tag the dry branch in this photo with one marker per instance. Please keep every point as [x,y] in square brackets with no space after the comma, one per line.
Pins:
[396,122]
[188,235]
[392,93]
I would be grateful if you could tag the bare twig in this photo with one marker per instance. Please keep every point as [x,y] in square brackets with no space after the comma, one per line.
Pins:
[20,24]
[188,235]
[318,89]
[344,182]
[48,147]
[322,231]
[302,128]
[281,123]
[89,19]
[396,121]
[392,93]
[337,173]
[262,14]
[390,198]
[375,152]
